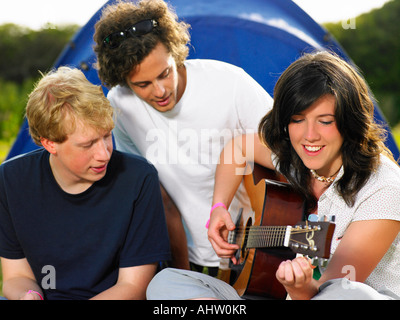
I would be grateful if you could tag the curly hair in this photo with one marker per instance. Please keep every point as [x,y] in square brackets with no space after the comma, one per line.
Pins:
[114,65]
[63,94]
[301,84]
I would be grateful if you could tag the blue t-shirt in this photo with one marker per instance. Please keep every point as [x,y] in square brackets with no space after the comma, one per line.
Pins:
[84,238]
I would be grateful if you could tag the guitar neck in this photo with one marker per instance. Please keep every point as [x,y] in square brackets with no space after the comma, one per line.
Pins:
[262,236]
[311,238]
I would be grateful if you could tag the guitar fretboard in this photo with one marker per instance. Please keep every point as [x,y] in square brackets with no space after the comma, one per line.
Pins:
[261,236]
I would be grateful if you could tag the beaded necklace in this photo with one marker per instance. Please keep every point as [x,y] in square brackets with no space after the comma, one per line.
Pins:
[322,178]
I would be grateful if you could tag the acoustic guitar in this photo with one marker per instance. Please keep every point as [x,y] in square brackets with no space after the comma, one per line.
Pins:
[273,231]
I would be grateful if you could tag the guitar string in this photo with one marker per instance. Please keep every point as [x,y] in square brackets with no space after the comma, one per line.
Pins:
[269,229]
[257,234]
[262,236]
[264,229]
[262,242]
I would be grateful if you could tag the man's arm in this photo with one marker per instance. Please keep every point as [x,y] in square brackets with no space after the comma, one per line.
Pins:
[19,280]
[131,284]
[236,154]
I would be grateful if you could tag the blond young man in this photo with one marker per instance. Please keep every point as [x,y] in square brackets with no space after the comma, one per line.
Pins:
[78,219]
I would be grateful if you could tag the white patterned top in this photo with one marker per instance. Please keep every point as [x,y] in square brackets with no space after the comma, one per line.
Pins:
[378,199]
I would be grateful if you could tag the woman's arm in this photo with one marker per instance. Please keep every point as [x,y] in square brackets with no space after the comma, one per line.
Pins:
[363,245]
[361,248]
[229,173]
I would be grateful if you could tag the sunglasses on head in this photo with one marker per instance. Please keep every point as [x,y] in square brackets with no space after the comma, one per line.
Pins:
[138,29]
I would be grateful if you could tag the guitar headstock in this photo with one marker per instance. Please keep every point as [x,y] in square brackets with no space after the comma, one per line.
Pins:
[312,238]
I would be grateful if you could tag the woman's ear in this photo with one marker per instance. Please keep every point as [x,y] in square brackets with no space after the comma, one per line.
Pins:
[49,145]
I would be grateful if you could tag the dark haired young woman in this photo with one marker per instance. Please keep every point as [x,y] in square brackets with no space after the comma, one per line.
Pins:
[322,137]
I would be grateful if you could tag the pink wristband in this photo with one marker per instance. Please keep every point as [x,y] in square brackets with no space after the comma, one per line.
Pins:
[33,291]
[218,204]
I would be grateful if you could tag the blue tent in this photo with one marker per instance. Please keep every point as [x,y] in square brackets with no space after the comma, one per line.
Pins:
[261,36]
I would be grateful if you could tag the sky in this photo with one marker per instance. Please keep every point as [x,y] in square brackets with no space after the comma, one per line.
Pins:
[37,13]
[337,10]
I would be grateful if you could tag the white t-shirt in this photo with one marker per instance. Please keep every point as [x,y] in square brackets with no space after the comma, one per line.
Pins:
[378,199]
[184,144]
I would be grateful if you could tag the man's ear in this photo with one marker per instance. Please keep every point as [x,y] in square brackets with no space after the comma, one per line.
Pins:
[49,145]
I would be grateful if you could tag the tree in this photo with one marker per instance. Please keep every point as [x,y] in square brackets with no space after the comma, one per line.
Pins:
[23,52]
[374,46]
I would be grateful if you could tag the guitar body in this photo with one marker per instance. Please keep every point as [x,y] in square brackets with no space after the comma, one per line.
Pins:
[274,203]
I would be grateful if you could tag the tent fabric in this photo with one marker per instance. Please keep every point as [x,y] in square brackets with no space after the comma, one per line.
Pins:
[261,36]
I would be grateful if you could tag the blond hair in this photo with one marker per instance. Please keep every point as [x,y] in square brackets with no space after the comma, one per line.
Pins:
[64,94]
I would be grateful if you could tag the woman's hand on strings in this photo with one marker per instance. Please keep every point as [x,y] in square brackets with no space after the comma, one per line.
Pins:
[218,230]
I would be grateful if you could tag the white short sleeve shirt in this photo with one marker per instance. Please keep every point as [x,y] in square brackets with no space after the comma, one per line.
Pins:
[220,102]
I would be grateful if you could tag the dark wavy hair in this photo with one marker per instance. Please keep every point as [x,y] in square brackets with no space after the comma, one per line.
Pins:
[301,84]
[114,65]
